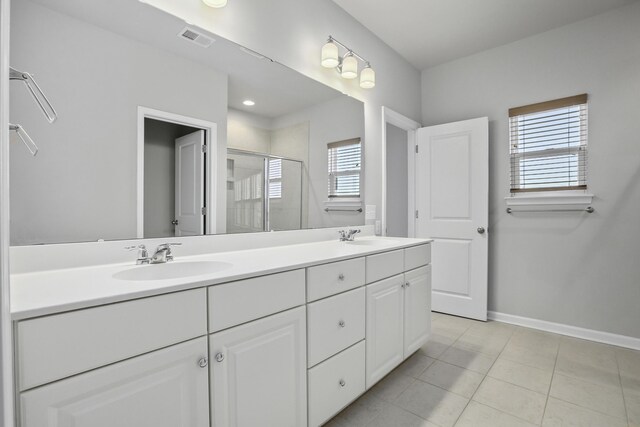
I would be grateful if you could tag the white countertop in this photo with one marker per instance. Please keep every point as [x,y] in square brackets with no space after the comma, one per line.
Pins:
[54,291]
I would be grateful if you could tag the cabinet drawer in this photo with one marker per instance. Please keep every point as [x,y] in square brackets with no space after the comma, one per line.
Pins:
[334,324]
[386,264]
[164,388]
[417,256]
[238,302]
[58,346]
[336,382]
[329,279]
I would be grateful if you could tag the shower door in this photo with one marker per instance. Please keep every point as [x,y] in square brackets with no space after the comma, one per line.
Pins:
[264,193]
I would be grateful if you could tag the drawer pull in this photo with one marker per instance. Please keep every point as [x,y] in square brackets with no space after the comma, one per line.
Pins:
[203,362]
[341,276]
[342,324]
[219,357]
[342,383]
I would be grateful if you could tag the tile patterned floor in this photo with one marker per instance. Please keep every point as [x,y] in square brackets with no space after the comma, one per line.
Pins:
[492,374]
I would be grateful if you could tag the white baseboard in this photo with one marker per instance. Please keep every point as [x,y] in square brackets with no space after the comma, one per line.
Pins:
[572,331]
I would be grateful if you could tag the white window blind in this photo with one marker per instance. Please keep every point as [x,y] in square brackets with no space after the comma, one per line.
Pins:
[275,178]
[345,161]
[548,145]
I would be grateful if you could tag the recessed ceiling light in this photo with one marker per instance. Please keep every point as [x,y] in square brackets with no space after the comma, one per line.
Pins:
[248,103]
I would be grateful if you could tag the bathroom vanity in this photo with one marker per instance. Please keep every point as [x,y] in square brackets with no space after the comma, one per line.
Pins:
[275,336]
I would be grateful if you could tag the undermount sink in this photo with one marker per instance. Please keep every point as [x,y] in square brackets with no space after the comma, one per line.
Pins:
[171,270]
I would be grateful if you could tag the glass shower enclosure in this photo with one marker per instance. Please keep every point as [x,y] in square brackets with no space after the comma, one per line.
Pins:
[264,192]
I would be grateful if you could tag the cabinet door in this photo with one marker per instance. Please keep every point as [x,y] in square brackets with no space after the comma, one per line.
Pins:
[165,388]
[417,309]
[385,318]
[258,372]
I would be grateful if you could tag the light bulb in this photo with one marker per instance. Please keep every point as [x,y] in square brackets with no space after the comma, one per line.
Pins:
[330,55]
[215,3]
[367,78]
[349,67]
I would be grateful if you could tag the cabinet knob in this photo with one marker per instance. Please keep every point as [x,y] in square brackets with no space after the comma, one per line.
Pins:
[342,324]
[407,284]
[342,383]
[480,230]
[219,357]
[203,362]
[341,276]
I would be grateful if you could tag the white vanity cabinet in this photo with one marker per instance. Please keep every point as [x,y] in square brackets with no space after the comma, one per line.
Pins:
[288,349]
[258,372]
[164,388]
[417,320]
[385,325]
[398,309]
[258,358]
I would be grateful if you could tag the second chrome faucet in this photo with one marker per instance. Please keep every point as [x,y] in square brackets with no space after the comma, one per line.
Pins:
[161,255]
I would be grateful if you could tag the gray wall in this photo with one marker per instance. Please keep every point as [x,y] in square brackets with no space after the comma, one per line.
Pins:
[82,184]
[159,176]
[334,120]
[397,182]
[570,268]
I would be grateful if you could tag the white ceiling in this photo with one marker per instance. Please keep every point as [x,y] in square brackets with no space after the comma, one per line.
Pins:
[430,32]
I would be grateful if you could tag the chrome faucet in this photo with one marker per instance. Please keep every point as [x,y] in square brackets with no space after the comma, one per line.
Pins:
[348,236]
[163,253]
[143,255]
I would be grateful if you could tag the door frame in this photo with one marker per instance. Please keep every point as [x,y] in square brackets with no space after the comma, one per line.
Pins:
[396,119]
[211,138]
[7,392]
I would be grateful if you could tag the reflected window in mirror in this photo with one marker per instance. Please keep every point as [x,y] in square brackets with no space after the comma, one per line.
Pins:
[345,169]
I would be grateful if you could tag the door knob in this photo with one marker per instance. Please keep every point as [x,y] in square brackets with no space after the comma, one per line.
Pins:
[174,222]
[480,230]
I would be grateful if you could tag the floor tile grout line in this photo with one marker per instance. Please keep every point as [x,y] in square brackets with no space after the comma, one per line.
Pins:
[553,374]
[589,409]
[478,388]
[624,397]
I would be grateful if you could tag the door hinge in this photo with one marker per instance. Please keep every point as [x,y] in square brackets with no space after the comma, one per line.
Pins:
[417,149]
[204,148]
[203,211]
[417,214]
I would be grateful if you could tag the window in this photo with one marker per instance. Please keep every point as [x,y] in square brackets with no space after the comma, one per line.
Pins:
[548,145]
[345,166]
[275,178]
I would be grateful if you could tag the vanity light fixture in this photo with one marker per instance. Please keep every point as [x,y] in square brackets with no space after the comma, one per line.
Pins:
[347,65]
[215,3]
[248,103]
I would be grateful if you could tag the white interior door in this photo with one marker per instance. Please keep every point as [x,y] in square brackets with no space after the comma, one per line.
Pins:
[189,216]
[452,198]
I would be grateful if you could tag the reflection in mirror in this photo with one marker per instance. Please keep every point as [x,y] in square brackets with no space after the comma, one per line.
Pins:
[166,130]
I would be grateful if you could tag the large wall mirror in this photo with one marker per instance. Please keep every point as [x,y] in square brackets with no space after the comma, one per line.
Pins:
[166,130]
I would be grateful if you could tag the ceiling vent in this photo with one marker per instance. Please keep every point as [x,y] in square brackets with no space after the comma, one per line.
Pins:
[193,36]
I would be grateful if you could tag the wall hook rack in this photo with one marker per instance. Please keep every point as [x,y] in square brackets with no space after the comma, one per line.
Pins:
[39,96]
[25,138]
